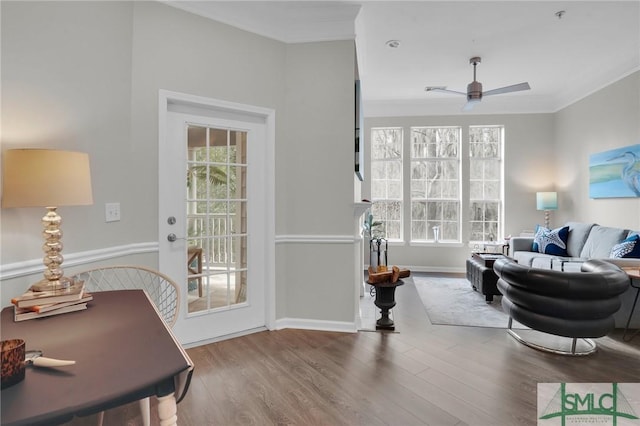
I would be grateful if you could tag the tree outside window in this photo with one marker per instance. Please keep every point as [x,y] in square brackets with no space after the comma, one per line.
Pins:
[485,179]
[434,197]
[386,180]
[435,183]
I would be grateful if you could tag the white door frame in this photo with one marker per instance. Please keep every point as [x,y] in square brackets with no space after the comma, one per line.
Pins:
[182,102]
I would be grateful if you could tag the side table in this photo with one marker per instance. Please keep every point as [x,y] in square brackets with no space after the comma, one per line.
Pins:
[385,300]
[634,277]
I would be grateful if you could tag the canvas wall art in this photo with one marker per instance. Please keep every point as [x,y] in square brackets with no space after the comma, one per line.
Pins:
[615,173]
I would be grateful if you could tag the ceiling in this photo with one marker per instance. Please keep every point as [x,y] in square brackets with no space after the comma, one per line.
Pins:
[564,59]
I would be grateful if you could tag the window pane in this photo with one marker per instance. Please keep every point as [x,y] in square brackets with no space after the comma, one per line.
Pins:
[386,143]
[492,190]
[491,211]
[475,190]
[390,214]
[418,189]
[418,230]
[485,151]
[477,231]
[435,182]
[386,180]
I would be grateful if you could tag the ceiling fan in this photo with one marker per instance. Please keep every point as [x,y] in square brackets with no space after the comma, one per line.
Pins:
[474,89]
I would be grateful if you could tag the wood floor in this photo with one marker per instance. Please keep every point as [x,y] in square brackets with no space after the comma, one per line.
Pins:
[419,375]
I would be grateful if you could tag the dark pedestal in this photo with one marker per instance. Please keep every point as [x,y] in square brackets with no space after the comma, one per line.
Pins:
[385,300]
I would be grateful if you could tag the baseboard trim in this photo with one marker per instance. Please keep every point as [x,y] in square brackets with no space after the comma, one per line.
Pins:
[318,325]
[438,269]
[34,266]
[225,337]
[316,239]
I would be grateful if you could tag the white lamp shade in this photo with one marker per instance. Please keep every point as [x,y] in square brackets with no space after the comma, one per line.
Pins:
[547,200]
[45,178]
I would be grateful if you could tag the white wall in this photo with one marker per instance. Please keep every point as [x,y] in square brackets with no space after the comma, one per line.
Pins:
[605,120]
[86,75]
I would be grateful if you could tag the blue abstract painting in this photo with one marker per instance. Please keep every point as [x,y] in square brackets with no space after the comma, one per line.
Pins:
[615,173]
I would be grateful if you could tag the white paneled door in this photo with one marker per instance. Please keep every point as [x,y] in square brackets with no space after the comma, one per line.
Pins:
[213,233]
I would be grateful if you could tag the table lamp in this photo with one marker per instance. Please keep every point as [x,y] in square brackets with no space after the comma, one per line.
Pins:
[47,178]
[547,201]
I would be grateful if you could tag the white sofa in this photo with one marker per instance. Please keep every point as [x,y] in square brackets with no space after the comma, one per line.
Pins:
[585,241]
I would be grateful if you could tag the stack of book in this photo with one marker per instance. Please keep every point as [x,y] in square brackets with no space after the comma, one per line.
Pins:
[39,304]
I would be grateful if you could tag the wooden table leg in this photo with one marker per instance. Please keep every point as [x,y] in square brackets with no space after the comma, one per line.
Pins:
[167,410]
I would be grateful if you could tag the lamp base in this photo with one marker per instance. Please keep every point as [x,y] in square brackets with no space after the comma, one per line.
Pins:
[46,285]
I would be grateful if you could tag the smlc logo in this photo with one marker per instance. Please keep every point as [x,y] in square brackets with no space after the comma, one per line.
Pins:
[586,404]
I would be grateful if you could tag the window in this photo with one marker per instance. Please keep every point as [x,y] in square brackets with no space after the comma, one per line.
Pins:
[485,182]
[435,183]
[386,179]
[455,182]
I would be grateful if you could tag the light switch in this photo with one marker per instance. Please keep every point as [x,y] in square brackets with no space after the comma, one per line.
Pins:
[112,212]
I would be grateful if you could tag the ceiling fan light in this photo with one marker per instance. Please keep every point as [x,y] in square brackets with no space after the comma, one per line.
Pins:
[474,91]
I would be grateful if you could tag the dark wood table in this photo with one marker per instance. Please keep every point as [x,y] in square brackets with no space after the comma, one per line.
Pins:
[123,351]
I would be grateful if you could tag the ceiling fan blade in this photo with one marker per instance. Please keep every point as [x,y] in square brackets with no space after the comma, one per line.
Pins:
[438,89]
[507,89]
[470,104]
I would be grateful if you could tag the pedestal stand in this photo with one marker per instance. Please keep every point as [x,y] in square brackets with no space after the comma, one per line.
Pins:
[385,300]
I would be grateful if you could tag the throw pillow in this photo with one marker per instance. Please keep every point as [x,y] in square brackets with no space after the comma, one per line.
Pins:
[549,241]
[628,248]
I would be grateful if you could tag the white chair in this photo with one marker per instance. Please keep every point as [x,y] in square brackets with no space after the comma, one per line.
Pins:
[162,290]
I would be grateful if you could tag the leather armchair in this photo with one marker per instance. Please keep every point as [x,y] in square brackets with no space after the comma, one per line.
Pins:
[569,304]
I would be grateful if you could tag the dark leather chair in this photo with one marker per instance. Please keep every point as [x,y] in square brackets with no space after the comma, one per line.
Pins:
[569,304]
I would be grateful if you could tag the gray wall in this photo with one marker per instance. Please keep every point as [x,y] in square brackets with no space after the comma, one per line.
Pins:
[608,119]
[66,83]
[85,76]
[316,185]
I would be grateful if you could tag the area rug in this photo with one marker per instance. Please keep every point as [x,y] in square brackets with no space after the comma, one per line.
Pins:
[452,301]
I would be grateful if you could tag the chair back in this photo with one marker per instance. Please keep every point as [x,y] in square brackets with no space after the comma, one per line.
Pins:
[570,304]
[162,290]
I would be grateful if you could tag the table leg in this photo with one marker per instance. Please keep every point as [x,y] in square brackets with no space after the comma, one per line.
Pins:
[626,328]
[167,410]
[145,411]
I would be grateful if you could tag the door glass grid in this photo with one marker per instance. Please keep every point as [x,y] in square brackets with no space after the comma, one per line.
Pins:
[216,218]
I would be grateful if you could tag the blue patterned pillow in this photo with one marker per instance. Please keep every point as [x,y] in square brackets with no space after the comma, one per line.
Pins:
[628,248]
[549,241]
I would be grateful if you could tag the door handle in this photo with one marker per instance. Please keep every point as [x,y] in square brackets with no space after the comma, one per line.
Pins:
[172,237]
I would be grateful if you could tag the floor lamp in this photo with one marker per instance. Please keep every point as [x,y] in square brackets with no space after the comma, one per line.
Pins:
[47,178]
[547,201]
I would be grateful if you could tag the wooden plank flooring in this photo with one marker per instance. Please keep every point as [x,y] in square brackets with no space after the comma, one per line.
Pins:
[422,374]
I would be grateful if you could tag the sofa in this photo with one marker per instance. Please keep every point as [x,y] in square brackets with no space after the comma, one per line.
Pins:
[582,242]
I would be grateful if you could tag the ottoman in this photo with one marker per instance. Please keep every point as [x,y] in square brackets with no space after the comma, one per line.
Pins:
[481,276]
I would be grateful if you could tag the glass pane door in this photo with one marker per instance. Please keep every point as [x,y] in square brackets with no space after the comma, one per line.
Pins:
[216,207]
